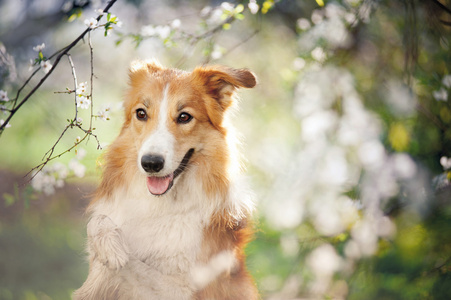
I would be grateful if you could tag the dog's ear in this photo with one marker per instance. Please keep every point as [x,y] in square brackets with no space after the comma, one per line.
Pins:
[221,82]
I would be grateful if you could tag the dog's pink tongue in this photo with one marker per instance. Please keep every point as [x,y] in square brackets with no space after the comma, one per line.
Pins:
[159,185]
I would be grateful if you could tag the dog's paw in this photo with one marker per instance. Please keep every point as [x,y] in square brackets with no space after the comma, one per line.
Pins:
[106,243]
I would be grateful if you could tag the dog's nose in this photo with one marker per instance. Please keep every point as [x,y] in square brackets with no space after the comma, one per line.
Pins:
[152,163]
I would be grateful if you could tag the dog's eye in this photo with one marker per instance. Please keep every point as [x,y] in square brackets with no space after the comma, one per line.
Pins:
[141,114]
[184,118]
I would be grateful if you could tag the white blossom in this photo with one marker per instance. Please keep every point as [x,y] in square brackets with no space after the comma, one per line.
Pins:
[365,235]
[148,30]
[82,88]
[352,250]
[80,153]
[49,178]
[46,66]
[303,24]
[404,166]
[4,96]
[205,12]
[318,54]
[60,170]
[43,182]
[214,16]
[103,115]
[31,65]
[351,18]
[445,162]
[163,31]
[67,6]
[39,48]
[78,168]
[317,16]
[217,52]
[227,7]
[440,95]
[299,63]
[3,122]
[253,7]
[91,23]
[175,24]
[99,12]
[83,102]
[447,81]
[324,261]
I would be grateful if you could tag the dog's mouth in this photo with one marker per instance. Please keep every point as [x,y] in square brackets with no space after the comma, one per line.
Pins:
[159,185]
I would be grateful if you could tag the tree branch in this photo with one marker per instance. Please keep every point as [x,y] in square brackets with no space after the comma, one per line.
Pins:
[48,156]
[442,6]
[60,54]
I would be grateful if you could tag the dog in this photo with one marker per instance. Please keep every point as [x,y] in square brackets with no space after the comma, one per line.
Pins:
[171,216]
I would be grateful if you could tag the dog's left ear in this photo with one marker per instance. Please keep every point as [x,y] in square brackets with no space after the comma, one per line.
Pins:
[221,82]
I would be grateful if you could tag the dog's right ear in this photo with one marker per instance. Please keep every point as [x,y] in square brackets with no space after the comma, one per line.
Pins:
[141,68]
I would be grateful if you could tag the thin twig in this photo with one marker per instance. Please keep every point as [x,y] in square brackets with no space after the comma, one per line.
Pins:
[194,39]
[22,87]
[49,153]
[442,6]
[421,108]
[48,156]
[242,42]
[91,52]
[43,164]
[447,261]
[60,53]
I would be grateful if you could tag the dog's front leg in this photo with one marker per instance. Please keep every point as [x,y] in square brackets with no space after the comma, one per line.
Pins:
[108,254]
[106,243]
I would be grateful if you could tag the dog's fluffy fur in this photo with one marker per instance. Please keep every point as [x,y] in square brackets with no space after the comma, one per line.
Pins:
[174,228]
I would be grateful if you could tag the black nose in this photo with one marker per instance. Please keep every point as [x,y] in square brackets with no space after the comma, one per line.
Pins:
[152,163]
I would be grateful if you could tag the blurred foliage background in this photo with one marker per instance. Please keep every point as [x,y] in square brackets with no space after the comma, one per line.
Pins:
[347,137]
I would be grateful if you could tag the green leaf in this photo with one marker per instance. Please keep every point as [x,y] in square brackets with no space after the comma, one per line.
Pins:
[72,18]
[76,13]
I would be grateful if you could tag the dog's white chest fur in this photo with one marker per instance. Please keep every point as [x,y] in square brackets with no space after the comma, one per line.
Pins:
[168,243]
[150,242]
[163,232]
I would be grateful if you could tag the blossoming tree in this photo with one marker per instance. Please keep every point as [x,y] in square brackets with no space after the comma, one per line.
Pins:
[349,132]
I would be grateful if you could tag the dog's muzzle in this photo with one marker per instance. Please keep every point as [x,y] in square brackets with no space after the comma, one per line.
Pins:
[152,164]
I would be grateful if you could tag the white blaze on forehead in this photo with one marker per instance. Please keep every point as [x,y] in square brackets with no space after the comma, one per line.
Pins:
[160,141]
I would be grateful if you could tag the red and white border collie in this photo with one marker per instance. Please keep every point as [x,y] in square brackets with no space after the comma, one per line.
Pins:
[170,217]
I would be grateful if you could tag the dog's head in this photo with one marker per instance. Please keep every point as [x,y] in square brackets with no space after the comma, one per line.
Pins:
[175,118]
